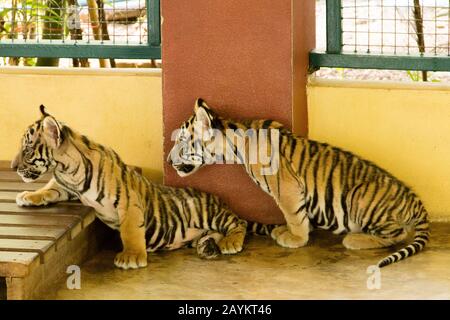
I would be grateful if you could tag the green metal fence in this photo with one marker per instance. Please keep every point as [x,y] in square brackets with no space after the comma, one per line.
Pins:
[69,47]
[386,34]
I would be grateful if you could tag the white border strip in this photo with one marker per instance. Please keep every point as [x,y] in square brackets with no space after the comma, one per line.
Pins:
[54,71]
[314,81]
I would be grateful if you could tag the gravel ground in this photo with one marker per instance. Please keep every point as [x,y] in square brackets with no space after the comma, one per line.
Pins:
[389,75]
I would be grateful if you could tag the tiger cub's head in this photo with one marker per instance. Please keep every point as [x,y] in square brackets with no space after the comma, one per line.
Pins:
[40,140]
[196,143]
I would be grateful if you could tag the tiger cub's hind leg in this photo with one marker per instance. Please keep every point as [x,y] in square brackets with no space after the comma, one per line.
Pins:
[233,242]
[359,241]
[383,230]
[212,244]
[228,240]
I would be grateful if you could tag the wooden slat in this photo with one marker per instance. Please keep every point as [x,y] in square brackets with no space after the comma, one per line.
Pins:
[17,264]
[59,209]
[25,245]
[89,218]
[12,176]
[19,220]
[20,186]
[81,216]
[45,248]
[32,233]
[5,165]
[8,196]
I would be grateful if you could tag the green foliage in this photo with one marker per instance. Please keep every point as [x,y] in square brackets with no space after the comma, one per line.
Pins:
[26,15]
[25,19]
[29,62]
[414,75]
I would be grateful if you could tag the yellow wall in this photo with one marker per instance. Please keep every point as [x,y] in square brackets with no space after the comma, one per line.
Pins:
[118,108]
[404,128]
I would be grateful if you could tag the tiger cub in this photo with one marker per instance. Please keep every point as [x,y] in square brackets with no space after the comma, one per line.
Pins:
[149,216]
[316,185]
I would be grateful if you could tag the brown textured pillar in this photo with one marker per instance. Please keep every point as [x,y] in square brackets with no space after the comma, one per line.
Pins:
[247,59]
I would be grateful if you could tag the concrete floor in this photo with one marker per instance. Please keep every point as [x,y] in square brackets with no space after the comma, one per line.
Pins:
[322,270]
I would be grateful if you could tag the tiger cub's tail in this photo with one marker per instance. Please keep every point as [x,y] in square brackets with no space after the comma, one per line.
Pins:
[260,228]
[421,236]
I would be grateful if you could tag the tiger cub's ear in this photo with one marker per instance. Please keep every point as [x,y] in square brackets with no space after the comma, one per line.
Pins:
[52,132]
[43,111]
[202,117]
[200,103]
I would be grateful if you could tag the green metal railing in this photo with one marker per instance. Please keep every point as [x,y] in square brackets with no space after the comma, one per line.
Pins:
[151,49]
[405,21]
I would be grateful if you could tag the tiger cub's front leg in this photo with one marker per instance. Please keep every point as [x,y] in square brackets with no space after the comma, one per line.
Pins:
[132,233]
[290,197]
[51,193]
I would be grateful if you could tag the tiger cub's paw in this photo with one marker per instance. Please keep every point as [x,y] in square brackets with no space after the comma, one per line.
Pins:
[207,248]
[277,231]
[286,239]
[232,243]
[130,260]
[30,198]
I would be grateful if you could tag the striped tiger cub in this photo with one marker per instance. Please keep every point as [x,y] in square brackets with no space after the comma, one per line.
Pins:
[149,216]
[316,185]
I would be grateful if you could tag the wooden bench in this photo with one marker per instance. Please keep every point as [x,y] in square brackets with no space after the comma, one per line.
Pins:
[38,244]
